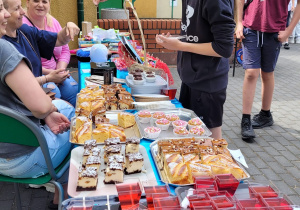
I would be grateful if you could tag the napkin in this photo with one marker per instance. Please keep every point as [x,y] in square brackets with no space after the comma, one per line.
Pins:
[154,105]
[185,202]
[238,156]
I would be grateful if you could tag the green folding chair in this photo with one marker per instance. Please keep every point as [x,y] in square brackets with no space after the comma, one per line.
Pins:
[16,128]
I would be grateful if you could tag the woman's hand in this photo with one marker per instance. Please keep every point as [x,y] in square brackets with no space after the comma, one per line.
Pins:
[96,2]
[58,76]
[57,122]
[168,42]
[72,30]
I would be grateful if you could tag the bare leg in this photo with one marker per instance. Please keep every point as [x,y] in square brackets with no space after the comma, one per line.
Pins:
[216,132]
[249,86]
[267,89]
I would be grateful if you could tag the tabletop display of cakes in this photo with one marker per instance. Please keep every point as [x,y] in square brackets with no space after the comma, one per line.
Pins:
[84,128]
[93,101]
[116,163]
[160,121]
[181,159]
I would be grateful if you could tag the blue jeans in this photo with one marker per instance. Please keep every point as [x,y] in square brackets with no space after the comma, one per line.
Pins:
[67,90]
[33,165]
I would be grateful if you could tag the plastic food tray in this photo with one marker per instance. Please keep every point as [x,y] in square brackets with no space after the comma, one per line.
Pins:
[183,114]
[147,87]
[161,172]
[103,189]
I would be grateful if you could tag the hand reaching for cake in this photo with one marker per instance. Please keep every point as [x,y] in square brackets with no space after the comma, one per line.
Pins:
[57,122]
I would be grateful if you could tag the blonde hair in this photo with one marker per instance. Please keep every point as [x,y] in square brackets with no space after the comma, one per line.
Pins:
[49,17]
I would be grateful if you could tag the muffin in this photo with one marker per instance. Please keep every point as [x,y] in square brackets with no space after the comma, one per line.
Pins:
[179,123]
[194,122]
[150,78]
[162,123]
[144,116]
[152,132]
[180,131]
[138,80]
[172,117]
[197,131]
[158,115]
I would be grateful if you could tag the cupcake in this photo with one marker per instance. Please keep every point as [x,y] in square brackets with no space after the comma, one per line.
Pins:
[158,115]
[180,131]
[144,116]
[138,80]
[152,132]
[194,122]
[130,75]
[197,131]
[150,78]
[172,117]
[179,123]
[162,123]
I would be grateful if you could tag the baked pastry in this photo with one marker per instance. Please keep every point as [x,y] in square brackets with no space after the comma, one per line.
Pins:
[221,150]
[114,173]
[97,106]
[93,88]
[144,116]
[111,150]
[100,134]
[220,143]
[117,159]
[80,121]
[196,168]
[125,97]
[194,122]
[126,119]
[197,131]
[93,161]
[83,133]
[109,105]
[125,104]
[109,126]
[84,97]
[114,133]
[179,123]
[134,163]
[178,173]
[172,117]
[190,157]
[206,150]
[98,93]
[101,118]
[152,132]
[180,131]
[87,179]
[162,123]
[82,112]
[112,141]
[86,105]
[89,153]
[205,142]
[158,115]
[169,158]
[132,145]
[89,144]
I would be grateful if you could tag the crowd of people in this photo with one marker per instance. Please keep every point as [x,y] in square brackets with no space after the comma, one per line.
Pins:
[34,53]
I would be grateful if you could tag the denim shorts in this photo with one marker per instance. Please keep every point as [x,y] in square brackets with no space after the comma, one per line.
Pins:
[260,50]
[207,106]
[33,164]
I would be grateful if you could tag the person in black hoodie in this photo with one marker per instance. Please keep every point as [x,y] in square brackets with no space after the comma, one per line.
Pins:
[208,28]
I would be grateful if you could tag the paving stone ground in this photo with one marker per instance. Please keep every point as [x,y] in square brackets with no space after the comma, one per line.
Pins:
[275,154]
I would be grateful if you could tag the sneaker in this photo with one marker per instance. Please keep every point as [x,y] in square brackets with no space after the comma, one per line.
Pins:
[247,130]
[260,121]
[286,46]
[49,186]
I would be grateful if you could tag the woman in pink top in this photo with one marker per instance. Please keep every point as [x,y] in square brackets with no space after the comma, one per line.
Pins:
[37,15]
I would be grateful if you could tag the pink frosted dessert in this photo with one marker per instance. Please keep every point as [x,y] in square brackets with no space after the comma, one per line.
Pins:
[172,117]
[152,132]
[181,131]
[179,123]
[195,122]
[163,123]
[159,115]
[197,130]
[144,116]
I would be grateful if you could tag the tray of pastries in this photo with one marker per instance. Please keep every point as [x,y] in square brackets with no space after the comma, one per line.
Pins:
[178,160]
[94,169]
[93,99]
[154,124]
[104,125]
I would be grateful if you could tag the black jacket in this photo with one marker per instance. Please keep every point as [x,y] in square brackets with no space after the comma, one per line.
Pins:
[206,21]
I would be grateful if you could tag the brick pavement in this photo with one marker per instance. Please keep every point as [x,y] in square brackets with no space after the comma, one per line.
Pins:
[275,154]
